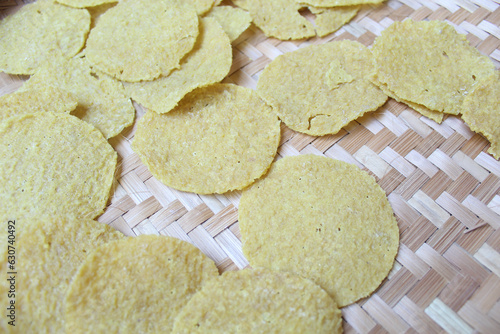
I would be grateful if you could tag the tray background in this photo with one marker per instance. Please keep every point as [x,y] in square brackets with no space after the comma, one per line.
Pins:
[443,186]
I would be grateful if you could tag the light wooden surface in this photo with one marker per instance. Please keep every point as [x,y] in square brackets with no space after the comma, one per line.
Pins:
[443,186]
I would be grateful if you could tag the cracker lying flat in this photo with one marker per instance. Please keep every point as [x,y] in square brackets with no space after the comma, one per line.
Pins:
[219,138]
[321,88]
[329,20]
[40,31]
[135,285]
[201,6]
[209,62]
[322,219]
[45,98]
[336,3]
[259,301]
[481,111]
[102,101]
[145,45]
[233,20]
[435,66]
[241,3]
[85,3]
[53,164]
[52,250]
[280,19]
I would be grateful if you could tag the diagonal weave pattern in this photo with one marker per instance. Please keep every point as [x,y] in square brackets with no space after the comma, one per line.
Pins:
[443,186]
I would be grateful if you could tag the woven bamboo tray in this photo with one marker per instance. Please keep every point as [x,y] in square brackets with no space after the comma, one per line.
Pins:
[443,186]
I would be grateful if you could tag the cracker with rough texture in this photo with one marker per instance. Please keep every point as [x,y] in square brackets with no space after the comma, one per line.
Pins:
[40,31]
[209,62]
[85,3]
[102,101]
[259,301]
[52,250]
[46,98]
[319,89]
[233,20]
[135,285]
[145,45]
[241,3]
[201,6]
[329,20]
[280,19]
[322,219]
[481,111]
[219,138]
[429,63]
[337,3]
[53,164]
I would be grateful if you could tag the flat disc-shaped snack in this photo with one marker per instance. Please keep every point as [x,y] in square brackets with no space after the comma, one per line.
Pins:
[219,138]
[336,3]
[45,98]
[233,20]
[52,250]
[259,301]
[429,63]
[481,111]
[322,219]
[319,89]
[53,164]
[280,19]
[40,31]
[85,3]
[135,285]
[201,6]
[141,39]
[209,62]
[102,101]
[329,20]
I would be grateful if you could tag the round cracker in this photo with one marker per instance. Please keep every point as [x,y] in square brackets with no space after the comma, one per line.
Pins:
[481,110]
[319,89]
[145,45]
[50,251]
[53,164]
[135,285]
[259,301]
[233,20]
[336,3]
[40,31]
[219,138]
[436,67]
[329,20]
[209,62]
[85,3]
[323,219]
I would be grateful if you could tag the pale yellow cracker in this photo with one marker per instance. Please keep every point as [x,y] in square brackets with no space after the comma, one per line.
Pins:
[209,62]
[50,251]
[53,164]
[233,20]
[280,19]
[319,89]
[323,219]
[201,6]
[102,101]
[337,3]
[40,31]
[241,3]
[140,39]
[481,111]
[429,63]
[45,98]
[329,20]
[259,301]
[85,3]
[219,138]
[135,285]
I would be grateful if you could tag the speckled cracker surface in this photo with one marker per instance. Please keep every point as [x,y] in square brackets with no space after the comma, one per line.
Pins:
[481,111]
[201,6]
[329,20]
[323,219]
[53,164]
[219,138]
[241,3]
[429,63]
[85,3]
[259,301]
[145,45]
[209,62]
[52,249]
[102,101]
[45,98]
[233,20]
[135,285]
[319,89]
[280,19]
[39,31]
[336,3]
